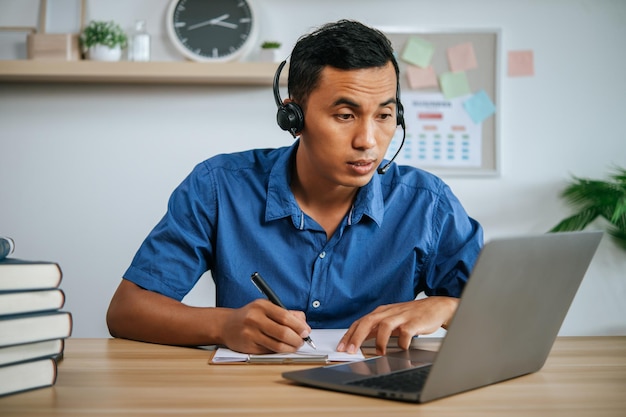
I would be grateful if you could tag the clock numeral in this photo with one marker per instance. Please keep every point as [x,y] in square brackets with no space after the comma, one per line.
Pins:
[244,36]
[180,24]
[245,20]
[215,53]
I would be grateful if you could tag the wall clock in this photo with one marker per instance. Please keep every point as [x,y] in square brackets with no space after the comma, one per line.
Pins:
[212,30]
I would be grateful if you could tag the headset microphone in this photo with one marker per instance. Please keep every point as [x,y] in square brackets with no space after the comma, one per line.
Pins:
[400,118]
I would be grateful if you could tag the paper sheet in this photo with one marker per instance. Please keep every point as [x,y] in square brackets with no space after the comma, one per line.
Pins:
[439,133]
[326,341]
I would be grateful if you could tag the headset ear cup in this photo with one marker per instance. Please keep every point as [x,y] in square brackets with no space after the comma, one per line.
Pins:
[290,117]
[400,114]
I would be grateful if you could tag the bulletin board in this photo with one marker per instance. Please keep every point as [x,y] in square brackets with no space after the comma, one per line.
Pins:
[449,83]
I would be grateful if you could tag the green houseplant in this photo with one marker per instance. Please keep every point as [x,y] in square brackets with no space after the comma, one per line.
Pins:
[597,199]
[270,45]
[103,41]
[270,51]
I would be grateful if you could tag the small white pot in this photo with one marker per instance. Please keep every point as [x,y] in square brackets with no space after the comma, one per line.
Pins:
[104,53]
[270,55]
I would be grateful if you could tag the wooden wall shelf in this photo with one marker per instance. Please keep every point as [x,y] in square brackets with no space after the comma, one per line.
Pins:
[162,72]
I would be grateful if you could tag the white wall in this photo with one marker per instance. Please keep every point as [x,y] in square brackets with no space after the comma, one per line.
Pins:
[86,170]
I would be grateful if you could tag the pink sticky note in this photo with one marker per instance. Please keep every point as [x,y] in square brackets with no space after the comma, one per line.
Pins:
[521,64]
[461,57]
[421,77]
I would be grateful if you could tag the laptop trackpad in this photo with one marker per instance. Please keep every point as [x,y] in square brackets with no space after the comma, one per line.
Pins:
[414,355]
[395,361]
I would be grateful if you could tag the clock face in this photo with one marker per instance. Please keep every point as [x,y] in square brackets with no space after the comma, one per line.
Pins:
[211,30]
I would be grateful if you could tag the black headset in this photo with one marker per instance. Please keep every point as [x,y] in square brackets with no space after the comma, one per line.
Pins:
[291,118]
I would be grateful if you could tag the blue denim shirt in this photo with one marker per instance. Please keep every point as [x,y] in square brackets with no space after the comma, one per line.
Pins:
[235,214]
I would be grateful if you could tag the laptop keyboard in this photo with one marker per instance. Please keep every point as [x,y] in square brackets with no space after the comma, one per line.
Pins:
[410,380]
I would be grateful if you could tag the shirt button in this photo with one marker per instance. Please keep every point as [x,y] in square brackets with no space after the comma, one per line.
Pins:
[323,255]
[316,304]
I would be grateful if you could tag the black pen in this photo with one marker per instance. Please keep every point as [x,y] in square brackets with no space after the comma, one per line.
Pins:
[260,283]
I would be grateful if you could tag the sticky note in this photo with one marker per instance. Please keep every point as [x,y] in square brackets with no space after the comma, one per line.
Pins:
[461,57]
[418,52]
[421,77]
[454,84]
[521,64]
[479,106]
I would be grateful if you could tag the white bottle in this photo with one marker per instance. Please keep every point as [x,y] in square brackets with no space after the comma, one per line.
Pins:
[139,48]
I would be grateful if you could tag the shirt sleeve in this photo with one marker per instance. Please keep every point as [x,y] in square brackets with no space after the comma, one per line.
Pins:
[177,251]
[458,240]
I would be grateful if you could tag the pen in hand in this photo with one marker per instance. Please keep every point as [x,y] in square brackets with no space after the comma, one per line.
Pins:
[260,283]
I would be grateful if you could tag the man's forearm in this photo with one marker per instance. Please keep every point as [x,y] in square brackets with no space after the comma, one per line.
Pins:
[138,314]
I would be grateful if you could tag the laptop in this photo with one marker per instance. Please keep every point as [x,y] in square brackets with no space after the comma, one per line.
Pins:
[508,317]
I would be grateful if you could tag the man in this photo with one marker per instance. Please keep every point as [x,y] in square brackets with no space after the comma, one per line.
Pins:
[342,245]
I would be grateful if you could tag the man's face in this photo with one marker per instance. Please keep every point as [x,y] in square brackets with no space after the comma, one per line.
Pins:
[350,119]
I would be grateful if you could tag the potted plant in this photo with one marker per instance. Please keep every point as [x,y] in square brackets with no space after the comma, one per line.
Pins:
[103,41]
[270,51]
[597,198]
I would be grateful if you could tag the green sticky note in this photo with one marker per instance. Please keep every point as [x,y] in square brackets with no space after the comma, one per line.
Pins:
[418,52]
[479,106]
[454,84]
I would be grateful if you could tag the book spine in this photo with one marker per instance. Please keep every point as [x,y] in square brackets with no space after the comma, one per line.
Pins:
[6,246]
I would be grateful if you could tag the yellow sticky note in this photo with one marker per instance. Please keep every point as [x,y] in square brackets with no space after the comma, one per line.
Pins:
[454,84]
[418,52]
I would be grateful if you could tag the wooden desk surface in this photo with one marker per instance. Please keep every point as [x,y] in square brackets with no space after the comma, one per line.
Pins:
[584,376]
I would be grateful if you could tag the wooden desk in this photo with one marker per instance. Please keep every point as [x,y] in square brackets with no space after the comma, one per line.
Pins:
[584,376]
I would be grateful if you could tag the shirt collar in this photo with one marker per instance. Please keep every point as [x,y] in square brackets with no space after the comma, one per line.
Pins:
[281,202]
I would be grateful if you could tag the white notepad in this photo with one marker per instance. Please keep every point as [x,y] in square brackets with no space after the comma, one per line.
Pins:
[326,341]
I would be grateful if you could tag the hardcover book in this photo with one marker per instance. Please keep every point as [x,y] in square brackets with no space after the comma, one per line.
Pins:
[19,274]
[30,351]
[19,302]
[6,246]
[26,376]
[27,328]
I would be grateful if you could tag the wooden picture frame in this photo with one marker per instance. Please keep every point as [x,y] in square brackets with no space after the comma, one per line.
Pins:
[54,46]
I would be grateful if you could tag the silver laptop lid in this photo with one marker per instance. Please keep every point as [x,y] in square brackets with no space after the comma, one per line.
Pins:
[508,318]
[511,310]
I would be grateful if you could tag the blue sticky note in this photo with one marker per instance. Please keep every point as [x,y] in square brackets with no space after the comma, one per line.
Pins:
[479,106]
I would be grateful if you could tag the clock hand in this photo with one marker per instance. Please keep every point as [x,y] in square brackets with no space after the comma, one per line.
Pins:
[226,25]
[217,21]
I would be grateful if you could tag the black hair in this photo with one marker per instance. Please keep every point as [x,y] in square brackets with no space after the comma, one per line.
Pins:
[345,44]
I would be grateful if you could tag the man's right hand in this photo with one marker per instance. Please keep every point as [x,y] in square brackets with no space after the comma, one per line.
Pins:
[258,327]
[262,327]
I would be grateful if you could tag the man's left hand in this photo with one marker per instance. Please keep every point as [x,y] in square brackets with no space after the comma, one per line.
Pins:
[404,320]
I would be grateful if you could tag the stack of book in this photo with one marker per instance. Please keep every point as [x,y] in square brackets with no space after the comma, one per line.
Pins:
[32,325]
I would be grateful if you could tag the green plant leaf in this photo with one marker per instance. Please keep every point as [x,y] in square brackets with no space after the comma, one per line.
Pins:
[576,222]
[103,33]
[596,198]
[619,236]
